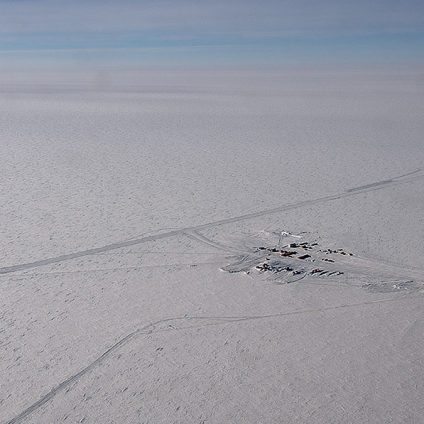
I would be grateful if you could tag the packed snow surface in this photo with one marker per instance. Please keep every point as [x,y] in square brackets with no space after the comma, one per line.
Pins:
[212,248]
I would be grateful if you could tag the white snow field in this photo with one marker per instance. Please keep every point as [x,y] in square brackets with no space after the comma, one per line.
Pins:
[212,248]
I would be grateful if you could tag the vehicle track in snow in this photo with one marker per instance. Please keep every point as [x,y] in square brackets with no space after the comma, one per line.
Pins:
[374,186]
[171,322]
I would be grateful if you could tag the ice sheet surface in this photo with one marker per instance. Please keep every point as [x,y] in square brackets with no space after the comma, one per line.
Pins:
[121,204]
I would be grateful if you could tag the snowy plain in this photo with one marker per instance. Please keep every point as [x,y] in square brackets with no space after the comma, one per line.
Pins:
[124,200]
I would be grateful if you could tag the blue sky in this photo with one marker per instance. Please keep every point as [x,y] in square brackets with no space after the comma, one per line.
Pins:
[210,33]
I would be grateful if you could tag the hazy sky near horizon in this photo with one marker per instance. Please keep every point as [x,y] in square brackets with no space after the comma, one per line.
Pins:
[210,33]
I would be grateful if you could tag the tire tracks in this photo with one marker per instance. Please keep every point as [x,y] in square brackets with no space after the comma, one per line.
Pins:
[378,185]
[195,235]
[150,328]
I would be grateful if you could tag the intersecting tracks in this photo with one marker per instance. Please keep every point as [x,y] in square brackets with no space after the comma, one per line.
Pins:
[378,185]
[200,321]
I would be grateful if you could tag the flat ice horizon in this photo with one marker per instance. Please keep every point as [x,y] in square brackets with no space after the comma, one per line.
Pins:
[199,247]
